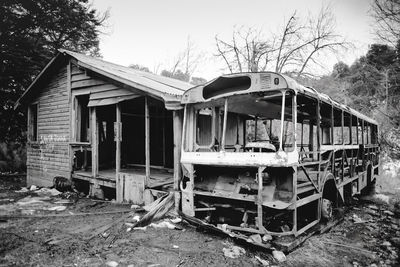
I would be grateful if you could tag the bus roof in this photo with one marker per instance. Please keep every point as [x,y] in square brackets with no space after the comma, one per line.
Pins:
[252,82]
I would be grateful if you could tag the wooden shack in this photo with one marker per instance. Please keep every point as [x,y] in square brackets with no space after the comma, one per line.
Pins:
[109,125]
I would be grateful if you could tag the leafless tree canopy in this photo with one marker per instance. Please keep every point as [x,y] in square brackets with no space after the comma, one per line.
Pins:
[387,17]
[185,63]
[294,49]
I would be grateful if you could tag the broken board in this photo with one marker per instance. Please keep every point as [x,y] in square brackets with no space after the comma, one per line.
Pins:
[130,188]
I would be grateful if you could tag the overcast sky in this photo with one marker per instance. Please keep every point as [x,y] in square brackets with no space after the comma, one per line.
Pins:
[153,32]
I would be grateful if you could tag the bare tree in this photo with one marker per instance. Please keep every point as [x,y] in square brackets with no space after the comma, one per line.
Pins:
[246,51]
[294,49]
[185,63]
[387,16]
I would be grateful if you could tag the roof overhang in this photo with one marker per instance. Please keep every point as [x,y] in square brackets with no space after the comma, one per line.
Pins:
[166,89]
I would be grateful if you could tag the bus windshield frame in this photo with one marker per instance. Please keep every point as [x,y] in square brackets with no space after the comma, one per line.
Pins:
[262,122]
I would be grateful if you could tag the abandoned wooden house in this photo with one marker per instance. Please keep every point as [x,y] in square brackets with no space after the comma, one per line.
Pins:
[109,125]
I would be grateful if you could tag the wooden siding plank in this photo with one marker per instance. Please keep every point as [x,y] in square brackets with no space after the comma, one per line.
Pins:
[111,93]
[97,88]
[79,77]
[87,83]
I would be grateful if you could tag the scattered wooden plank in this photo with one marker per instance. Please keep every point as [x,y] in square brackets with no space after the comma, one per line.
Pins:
[6,217]
[104,228]
[348,246]
[242,239]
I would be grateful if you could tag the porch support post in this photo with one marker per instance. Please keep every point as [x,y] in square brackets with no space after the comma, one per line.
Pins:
[118,138]
[177,127]
[94,142]
[147,138]
[95,189]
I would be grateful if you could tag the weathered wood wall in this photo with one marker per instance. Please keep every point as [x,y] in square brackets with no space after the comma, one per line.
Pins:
[82,83]
[48,156]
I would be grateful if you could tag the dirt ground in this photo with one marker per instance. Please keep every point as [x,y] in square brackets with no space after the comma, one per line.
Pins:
[35,231]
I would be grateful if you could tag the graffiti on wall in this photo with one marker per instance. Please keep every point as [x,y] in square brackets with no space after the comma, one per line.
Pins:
[47,144]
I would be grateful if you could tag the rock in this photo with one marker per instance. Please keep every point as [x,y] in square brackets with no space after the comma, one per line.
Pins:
[233,252]
[175,246]
[386,244]
[105,234]
[33,187]
[163,224]
[136,218]
[112,263]
[256,238]
[135,207]
[373,265]
[267,238]
[279,255]
[356,219]
[176,220]
[382,197]
[223,227]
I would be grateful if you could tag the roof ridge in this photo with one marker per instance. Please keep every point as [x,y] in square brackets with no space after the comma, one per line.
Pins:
[131,70]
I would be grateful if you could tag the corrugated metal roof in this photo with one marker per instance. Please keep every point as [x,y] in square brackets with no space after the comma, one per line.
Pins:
[168,89]
[150,80]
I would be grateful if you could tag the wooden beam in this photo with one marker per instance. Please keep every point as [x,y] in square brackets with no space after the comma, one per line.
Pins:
[94,141]
[147,138]
[69,82]
[118,139]
[71,115]
[177,128]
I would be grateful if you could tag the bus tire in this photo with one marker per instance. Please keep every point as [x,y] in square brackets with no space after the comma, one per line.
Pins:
[326,209]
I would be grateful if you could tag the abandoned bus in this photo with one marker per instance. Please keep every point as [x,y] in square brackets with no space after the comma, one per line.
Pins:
[264,154]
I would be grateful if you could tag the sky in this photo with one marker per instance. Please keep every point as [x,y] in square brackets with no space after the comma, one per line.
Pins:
[152,33]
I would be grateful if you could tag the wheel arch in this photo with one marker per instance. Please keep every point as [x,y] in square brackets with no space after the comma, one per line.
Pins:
[330,190]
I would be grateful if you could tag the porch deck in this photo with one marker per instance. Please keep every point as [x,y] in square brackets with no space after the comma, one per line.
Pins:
[158,177]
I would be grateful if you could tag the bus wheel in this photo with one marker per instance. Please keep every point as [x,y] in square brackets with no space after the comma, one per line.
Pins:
[326,209]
